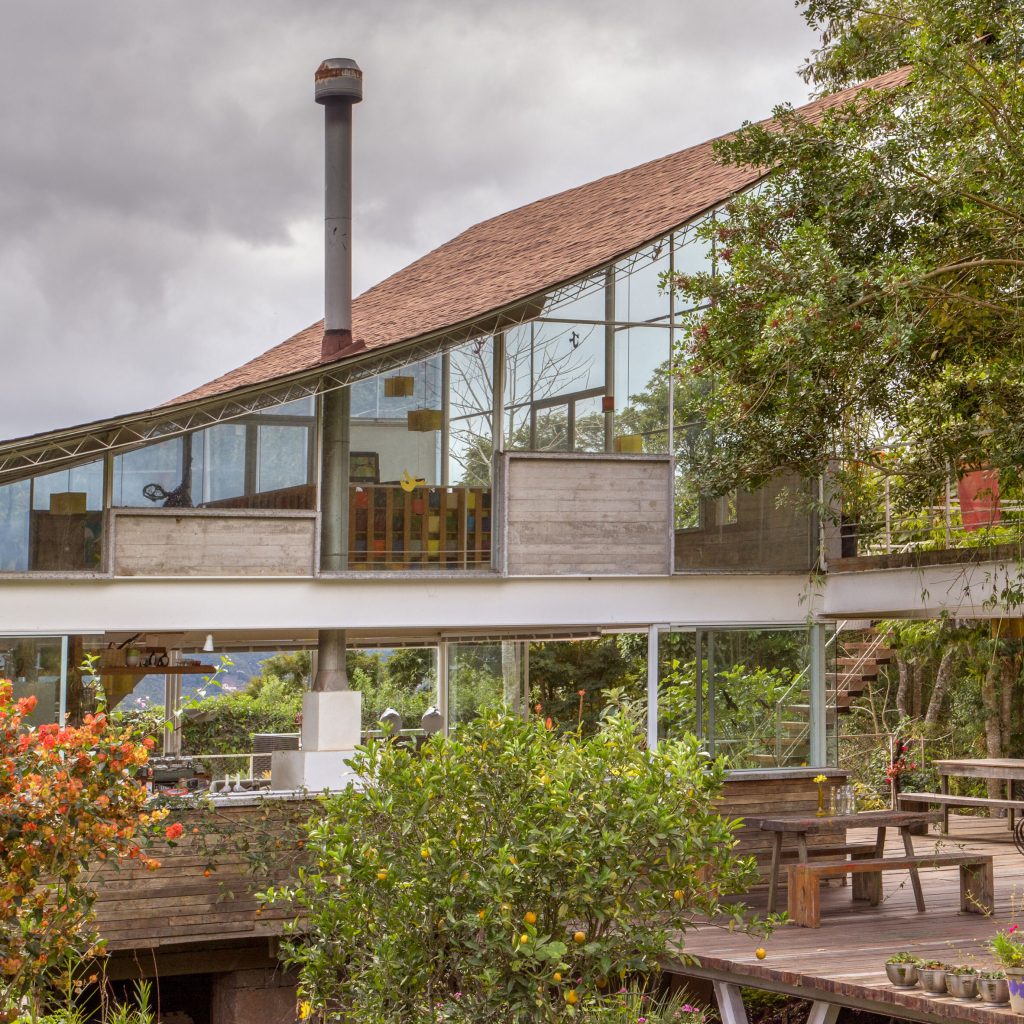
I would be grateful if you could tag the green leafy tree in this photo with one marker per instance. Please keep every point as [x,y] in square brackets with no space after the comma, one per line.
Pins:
[869,290]
[511,872]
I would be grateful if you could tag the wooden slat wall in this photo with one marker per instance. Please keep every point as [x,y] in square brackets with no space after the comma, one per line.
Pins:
[205,544]
[178,904]
[775,796]
[587,515]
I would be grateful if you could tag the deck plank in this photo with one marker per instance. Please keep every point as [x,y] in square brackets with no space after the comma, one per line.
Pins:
[843,960]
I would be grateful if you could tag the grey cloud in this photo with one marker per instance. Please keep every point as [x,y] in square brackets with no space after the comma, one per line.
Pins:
[160,163]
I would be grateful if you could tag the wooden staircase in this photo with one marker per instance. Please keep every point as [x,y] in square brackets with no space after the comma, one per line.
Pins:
[858,662]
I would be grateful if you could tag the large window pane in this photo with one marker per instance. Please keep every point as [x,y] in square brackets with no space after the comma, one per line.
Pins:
[35,667]
[66,529]
[747,693]
[15,500]
[482,674]
[152,477]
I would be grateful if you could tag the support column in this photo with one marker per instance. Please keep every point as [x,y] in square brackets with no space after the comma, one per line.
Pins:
[331,671]
[609,360]
[334,479]
[652,687]
[819,711]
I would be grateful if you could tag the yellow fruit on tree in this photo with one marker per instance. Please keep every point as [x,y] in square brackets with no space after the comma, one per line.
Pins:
[571,998]
[579,937]
[557,975]
[524,939]
[760,952]
[678,895]
[382,875]
[425,852]
[530,917]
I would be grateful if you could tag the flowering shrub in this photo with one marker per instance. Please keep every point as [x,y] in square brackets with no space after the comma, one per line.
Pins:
[509,872]
[1008,947]
[67,796]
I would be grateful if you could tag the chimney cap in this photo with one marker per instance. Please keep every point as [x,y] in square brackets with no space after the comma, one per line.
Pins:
[338,78]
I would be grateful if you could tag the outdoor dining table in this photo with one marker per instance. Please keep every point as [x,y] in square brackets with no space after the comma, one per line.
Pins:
[803,826]
[1004,769]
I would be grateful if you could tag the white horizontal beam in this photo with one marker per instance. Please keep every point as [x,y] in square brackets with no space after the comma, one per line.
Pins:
[154,605]
[963,591]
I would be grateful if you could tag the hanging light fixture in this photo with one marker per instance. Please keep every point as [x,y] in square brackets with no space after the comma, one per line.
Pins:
[208,645]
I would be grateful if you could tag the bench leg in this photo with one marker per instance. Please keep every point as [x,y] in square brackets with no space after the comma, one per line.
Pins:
[866,886]
[915,878]
[977,887]
[773,882]
[804,897]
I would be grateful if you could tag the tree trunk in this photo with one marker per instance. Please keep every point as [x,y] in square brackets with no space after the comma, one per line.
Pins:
[943,677]
[993,727]
[903,689]
[916,688]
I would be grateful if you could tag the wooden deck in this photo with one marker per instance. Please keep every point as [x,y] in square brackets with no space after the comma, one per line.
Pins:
[842,962]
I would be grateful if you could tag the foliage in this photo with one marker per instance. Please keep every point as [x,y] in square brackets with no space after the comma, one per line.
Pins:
[903,958]
[138,1011]
[69,796]
[1008,947]
[524,868]
[868,292]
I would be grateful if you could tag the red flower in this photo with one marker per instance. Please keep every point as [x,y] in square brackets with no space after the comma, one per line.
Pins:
[1012,929]
[174,831]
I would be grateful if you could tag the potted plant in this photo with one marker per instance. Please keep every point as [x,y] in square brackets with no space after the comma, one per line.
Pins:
[993,989]
[1008,948]
[901,969]
[132,657]
[962,983]
[933,976]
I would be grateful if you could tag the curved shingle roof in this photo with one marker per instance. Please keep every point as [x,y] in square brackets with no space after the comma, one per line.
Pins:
[525,251]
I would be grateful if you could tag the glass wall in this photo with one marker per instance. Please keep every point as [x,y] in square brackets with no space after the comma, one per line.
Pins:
[747,693]
[53,522]
[421,464]
[558,395]
[37,666]
[264,461]
[485,673]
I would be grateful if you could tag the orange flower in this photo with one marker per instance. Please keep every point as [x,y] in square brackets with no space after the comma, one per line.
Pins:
[174,831]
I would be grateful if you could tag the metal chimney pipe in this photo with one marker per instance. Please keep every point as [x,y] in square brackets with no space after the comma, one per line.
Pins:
[338,85]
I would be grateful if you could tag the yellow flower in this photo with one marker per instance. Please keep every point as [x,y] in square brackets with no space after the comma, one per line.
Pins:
[305,1009]
[819,779]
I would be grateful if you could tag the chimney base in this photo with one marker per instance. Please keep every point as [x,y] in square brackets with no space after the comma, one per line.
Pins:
[337,344]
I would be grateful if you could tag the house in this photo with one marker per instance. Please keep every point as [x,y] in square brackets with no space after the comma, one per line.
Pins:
[482,450]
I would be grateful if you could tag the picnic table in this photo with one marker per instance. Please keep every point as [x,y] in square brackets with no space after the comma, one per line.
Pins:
[1005,769]
[803,826]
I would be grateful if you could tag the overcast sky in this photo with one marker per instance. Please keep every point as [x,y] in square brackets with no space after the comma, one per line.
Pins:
[161,168]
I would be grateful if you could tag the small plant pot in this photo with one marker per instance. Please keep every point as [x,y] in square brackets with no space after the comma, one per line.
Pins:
[962,986]
[902,975]
[1015,984]
[933,980]
[994,991]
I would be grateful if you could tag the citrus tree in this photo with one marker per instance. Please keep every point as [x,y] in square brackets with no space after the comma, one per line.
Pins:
[509,872]
[68,796]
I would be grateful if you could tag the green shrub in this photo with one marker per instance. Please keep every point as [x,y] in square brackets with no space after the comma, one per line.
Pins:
[528,870]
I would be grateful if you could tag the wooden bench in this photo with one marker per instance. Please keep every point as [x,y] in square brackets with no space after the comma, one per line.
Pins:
[947,800]
[976,881]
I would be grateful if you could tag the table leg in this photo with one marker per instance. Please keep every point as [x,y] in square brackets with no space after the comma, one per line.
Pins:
[915,878]
[1009,810]
[773,881]
[944,789]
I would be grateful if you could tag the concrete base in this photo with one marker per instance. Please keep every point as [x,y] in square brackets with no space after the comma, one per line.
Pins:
[331,721]
[315,770]
[243,997]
